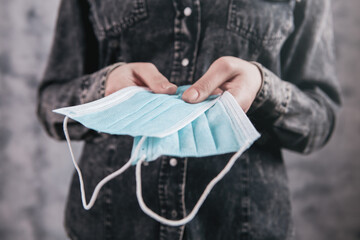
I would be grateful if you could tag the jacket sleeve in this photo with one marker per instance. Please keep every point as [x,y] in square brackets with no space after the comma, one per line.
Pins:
[298,113]
[72,76]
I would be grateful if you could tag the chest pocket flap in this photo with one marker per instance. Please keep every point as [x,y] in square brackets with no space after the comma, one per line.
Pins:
[111,17]
[261,21]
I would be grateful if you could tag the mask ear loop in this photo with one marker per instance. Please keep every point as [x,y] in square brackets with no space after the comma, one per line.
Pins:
[108,178]
[201,200]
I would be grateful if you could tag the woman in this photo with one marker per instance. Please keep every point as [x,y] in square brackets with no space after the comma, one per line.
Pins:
[275,57]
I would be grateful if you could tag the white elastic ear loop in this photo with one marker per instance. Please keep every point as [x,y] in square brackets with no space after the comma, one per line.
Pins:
[89,205]
[201,200]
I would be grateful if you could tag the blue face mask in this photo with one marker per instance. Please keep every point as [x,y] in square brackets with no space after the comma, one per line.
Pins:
[165,125]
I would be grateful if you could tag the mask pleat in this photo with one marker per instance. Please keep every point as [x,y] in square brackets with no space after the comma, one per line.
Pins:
[147,120]
[219,125]
[169,115]
[205,144]
[117,113]
[178,141]
[187,142]
[137,115]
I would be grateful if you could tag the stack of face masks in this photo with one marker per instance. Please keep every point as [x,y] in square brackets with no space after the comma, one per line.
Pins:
[165,125]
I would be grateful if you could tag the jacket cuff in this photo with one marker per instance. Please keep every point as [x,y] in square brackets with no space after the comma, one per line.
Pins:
[273,98]
[93,87]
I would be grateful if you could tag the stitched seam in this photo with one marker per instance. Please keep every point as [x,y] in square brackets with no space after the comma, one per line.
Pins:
[184,171]
[138,13]
[249,33]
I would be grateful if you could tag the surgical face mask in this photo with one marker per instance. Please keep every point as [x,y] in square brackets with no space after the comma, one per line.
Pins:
[165,125]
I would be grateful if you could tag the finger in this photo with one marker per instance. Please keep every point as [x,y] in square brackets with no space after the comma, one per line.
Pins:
[151,77]
[218,73]
[113,82]
[217,91]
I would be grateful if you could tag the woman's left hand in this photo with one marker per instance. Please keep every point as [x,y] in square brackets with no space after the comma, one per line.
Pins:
[239,77]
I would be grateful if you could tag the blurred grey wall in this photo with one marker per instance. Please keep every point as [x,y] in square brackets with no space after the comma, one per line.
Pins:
[35,170]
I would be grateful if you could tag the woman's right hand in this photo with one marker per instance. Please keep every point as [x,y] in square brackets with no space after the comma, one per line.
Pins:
[138,74]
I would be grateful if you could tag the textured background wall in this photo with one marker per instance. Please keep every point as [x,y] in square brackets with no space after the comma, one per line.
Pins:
[35,170]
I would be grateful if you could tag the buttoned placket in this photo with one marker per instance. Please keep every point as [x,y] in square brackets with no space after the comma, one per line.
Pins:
[171,190]
[187,25]
[172,175]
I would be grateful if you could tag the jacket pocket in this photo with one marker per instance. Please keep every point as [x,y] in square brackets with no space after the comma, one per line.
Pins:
[264,22]
[111,18]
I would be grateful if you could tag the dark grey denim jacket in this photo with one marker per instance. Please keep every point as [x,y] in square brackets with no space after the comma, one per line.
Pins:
[295,109]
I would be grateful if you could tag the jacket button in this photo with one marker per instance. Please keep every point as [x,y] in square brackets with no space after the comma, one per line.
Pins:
[173,213]
[187,11]
[185,62]
[173,162]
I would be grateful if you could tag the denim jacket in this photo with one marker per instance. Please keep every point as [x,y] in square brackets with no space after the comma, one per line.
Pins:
[292,42]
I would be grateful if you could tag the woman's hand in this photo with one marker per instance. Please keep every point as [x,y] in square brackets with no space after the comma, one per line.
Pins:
[241,78]
[138,74]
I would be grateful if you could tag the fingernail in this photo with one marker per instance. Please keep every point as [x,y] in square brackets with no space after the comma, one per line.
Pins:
[167,85]
[172,86]
[192,94]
